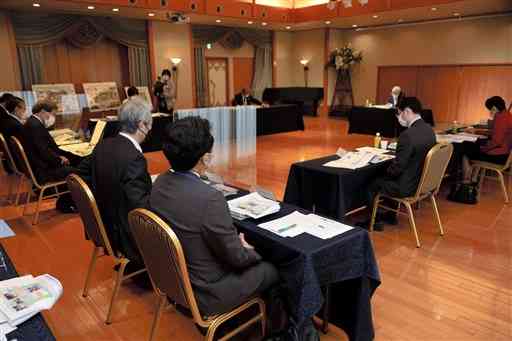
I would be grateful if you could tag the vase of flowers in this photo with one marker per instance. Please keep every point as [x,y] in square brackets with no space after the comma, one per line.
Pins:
[343,59]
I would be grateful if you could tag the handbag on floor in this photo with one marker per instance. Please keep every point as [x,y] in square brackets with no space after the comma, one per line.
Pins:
[464,193]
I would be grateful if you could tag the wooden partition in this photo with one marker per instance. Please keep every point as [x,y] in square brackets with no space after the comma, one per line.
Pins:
[453,92]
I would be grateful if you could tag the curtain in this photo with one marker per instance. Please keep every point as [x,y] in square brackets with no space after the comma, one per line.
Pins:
[262,70]
[201,85]
[138,61]
[30,59]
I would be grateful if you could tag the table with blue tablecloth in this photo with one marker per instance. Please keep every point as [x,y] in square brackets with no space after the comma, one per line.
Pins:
[345,264]
[35,328]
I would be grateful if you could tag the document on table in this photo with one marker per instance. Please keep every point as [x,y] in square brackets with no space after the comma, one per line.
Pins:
[324,228]
[454,138]
[351,160]
[372,150]
[252,205]
[5,230]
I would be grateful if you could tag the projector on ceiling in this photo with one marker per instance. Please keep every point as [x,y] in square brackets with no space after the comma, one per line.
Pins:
[177,18]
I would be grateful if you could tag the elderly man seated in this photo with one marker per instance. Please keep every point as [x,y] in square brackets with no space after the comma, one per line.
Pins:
[118,176]
[396,96]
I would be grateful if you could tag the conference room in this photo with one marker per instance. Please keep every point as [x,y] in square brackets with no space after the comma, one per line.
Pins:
[255,170]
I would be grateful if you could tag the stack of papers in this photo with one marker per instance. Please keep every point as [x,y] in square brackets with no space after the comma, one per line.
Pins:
[86,148]
[23,297]
[456,138]
[297,223]
[373,150]
[252,206]
[351,160]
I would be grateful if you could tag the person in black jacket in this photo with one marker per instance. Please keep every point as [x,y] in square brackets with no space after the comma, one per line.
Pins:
[118,176]
[403,174]
[245,98]
[11,122]
[3,99]
[224,269]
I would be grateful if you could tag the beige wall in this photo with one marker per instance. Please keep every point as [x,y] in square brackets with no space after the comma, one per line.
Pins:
[245,51]
[174,41]
[283,54]
[8,78]
[459,42]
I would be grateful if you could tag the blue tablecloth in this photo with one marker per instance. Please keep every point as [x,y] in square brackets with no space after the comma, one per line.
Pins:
[345,263]
[34,329]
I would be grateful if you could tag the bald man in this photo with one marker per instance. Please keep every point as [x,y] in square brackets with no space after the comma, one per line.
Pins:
[396,96]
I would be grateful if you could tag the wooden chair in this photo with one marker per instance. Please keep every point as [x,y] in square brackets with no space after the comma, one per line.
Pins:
[432,175]
[165,261]
[7,155]
[481,168]
[95,231]
[26,169]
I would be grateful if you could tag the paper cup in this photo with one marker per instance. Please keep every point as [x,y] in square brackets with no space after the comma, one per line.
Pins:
[384,144]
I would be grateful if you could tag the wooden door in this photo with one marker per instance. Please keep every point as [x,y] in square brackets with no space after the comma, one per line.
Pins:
[218,81]
[243,70]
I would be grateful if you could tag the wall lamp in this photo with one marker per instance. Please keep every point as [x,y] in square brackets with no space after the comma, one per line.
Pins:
[175,61]
[304,63]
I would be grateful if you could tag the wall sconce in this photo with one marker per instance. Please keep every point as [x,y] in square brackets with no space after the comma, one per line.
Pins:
[175,61]
[304,63]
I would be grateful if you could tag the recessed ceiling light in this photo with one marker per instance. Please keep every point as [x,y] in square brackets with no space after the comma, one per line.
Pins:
[457,14]
[375,16]
[36,4]
[91,7]
[151,14]
[358,29]
[218,21]
[327,22]
[263,24]
[115,9]
[434,8]
[250,22]
[354,25]
[400,20]
[288,27]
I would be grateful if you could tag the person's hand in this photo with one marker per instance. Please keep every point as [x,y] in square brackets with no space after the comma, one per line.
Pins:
[245,244]
[64,161]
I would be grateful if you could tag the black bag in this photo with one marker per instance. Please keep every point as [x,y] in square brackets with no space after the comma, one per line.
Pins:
[464,193]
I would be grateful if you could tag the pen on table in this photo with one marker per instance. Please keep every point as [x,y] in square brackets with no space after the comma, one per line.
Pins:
[281,230]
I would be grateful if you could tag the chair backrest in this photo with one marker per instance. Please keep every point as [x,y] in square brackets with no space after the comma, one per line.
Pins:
[20,157]
[434,168]
[4,148]
[164,259]
[89,212]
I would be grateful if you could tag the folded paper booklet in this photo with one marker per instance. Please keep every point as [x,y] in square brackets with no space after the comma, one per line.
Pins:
[351,160]
[253,206]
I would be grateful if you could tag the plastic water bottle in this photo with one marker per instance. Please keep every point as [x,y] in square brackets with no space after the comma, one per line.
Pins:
[376,140]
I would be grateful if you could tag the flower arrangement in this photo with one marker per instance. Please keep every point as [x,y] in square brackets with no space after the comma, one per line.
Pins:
[344,58]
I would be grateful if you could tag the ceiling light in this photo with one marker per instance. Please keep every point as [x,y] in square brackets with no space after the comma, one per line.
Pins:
[457,14]
[36,4]
[375,16]
[434,9]
[327,22]
[288,27]
[250,22]
[151,14]
[209,46]
[115,9]
[218,21]
[263,24]
[175,61]
[354,25]
[400,20]
[90,7]
[304,61]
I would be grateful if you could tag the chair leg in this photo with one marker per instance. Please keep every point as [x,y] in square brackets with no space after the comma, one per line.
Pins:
[374,211]
[29,195]
[436,214]
[119,279]
[413,224]
[481,182]
[90,270]
[156,320]
[503,186]
[38,206]
[18,190]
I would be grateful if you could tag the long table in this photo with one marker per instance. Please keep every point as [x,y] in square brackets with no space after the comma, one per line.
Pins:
[153,141]
[35,328]
[329,191]
[372,120]
[345,264]
[305,97]
[279,119]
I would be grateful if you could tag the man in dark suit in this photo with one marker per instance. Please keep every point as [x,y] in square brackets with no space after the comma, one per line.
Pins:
[3,99]
[245,98]
[224,269]
[403,174]
[396,96]
[11,123]
[118,176]
[48,162]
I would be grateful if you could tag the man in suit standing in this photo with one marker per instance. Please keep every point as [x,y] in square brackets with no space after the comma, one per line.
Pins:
[118,176]
[245,98]
[11,123]
[396,96]
[404,172]
[224,269]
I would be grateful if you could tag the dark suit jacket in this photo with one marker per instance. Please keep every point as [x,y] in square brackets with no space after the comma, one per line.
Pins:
[217,261]
[118,176]
[405,170]
[390,100]
[250,100]
[9,126]
[41,149]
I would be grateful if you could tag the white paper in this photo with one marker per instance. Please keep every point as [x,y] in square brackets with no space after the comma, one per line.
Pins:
[372,150]
[253,205]
[291,225]
[5,230]
[153,177]
[454,138]
[351,160]
[324,228]
[381,158]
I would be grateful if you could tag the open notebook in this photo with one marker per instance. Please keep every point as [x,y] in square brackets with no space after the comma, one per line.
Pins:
[86,148]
